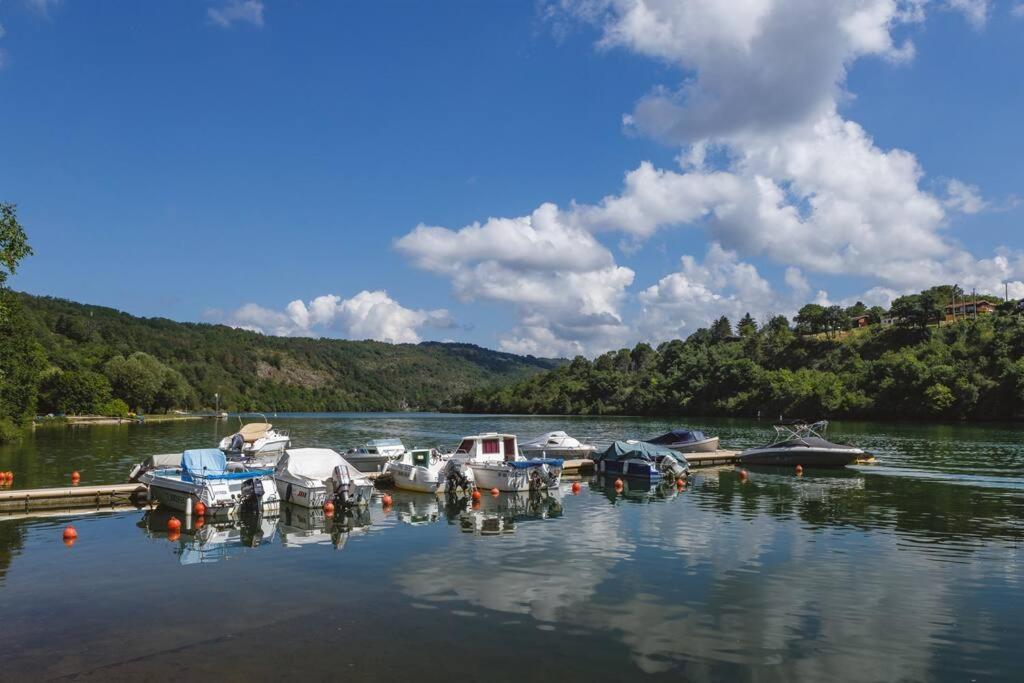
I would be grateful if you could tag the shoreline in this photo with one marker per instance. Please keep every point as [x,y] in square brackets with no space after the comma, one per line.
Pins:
[92,420]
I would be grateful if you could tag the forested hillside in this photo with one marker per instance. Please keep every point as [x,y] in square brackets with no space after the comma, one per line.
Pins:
[916,368]
[91,358]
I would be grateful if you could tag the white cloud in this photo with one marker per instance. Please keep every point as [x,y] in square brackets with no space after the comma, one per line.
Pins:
[237,11]
[1018,10]
[963,197]
[367,315]
[975,11]
[565,284]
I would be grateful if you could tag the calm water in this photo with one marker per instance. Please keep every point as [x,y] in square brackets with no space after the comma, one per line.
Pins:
[910,569]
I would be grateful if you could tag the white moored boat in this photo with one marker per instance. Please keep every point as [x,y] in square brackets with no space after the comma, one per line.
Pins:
[204,475]
[496,463]
[312,476]
[375,455]
[256,439]
[428,471]
[556,445]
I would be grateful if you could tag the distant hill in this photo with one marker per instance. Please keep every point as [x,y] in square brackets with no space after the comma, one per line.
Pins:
[252,371]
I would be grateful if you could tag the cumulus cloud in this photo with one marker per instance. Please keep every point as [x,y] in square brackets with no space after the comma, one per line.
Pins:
[565,284]
[367,315]
[975,11]
[963,197]
[237,11]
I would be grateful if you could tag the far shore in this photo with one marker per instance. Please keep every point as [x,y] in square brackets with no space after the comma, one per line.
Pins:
[89,420]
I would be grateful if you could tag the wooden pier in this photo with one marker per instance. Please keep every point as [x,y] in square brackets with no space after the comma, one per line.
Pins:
[72,497]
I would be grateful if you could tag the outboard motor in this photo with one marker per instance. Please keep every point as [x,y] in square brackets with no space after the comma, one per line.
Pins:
[342,483]
[237,442]
[252,494]
[455,478]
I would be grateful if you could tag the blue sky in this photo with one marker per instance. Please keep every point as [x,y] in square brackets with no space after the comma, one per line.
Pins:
[266,164]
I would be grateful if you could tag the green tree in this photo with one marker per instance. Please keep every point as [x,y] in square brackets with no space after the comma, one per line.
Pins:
[721,329]
[810,319]
[747,326]
[13,247]
[74,392]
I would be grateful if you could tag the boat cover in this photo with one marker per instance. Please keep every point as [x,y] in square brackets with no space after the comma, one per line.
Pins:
[314,463]
[678,436]
[553,439]
[624,450]
[534,462]
[254,431]
[204,461]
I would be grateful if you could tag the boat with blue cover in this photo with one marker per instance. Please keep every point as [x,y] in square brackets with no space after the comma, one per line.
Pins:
[641,460]
[687,441]
[204,475]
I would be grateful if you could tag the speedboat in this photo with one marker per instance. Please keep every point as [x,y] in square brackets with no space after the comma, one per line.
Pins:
[427,470]
[256,439]
[642,460]
[687,441]
[312,476]
[204,475]
[160,461]
[556,445]
[497,464]
[798,442]
[375,455]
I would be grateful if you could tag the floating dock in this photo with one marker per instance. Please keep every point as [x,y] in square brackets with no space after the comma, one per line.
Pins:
[71,497]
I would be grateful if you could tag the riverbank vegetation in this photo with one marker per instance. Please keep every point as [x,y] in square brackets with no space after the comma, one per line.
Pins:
[919,367]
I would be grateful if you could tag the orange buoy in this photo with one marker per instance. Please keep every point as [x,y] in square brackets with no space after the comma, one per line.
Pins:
[743,475]
[619,484]
[69,533]
[174,524]
[680,483]
[3,477]
[328,508]
[199,523]
[495,491]
[799,469]
[386,500]
[576,487]
[75,476]
[199,508]
[173,536]
[475,496]
[70,541]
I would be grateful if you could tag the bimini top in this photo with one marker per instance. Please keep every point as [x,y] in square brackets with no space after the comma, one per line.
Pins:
[624,450]
[534,462]
[313,463]
[678,436]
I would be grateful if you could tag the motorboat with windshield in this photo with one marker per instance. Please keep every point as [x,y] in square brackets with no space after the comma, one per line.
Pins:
[798,442]
[556,445]
[427,470]
[256,440]
[204,475]
[687,441]
[497,464]
[311,477]
[375,455]
[641,460]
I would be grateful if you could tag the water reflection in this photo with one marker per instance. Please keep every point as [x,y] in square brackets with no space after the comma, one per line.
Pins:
[301,526]
[202,541]
[494,515]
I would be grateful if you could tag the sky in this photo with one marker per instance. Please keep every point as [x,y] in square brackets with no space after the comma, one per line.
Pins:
[552,178]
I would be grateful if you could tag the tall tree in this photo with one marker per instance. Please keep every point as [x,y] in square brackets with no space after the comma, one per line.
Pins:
[721,329]
[13,247]
[747,326]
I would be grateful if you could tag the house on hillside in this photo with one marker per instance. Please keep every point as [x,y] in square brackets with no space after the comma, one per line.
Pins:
[964,309]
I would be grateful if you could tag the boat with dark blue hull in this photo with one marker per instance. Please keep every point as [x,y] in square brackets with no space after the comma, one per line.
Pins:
[639,459]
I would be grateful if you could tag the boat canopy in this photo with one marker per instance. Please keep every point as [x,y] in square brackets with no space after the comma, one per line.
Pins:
[254,431]
[203,461]
[625,450]
[678,436]
[534,462]
[553,439]
[309,463]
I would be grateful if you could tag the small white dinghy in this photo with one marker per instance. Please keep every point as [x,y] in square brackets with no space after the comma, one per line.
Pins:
[256,439]
[556,445]
[429,471]
[497,464]
[203,476]
[312,476]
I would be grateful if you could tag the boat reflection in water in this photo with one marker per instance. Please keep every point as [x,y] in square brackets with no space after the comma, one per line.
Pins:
[203,541]
[635,490]
[495,515]
[302,526]
[418,509]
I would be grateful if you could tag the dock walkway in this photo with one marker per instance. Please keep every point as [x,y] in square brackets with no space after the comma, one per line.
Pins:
[68,497]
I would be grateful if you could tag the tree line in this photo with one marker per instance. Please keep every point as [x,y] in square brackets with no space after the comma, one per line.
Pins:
[818,365]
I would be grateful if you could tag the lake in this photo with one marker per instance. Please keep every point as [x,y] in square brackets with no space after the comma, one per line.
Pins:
[908,569]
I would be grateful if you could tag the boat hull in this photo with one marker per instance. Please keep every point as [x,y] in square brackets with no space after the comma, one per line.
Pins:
[505,478]
[564,453]
[709,445]
[805,457]
[634,469]
[367,463]
[309,494]
[219,497]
